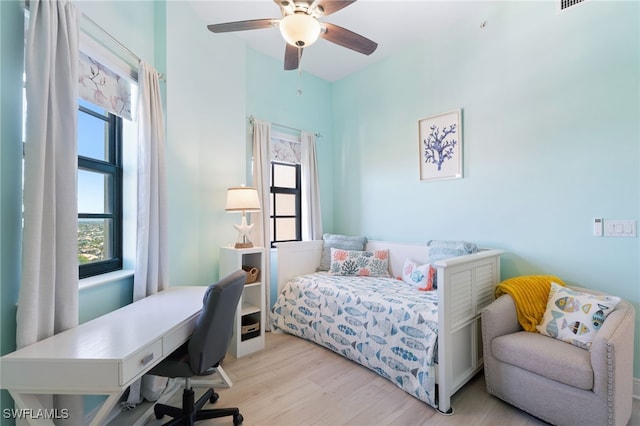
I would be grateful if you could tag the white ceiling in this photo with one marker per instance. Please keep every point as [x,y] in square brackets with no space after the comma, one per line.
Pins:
[392,24]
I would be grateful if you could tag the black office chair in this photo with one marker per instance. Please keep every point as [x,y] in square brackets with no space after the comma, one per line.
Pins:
[204,351]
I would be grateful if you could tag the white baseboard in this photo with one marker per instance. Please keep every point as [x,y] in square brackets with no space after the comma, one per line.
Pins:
[636,388]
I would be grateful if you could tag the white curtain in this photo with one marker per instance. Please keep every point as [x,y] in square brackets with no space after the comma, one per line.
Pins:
[151,274]
[311,213]
[48,297]
[261,220]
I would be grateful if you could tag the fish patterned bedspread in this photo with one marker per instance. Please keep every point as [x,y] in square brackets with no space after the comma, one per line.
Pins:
[383,324]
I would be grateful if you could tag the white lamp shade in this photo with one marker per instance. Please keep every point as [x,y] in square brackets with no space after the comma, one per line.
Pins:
[300,29]
[243,198]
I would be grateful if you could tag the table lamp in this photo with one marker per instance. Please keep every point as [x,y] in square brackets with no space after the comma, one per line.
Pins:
[243,199]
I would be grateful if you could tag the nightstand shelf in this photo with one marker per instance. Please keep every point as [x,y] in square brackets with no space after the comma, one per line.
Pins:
[251,309]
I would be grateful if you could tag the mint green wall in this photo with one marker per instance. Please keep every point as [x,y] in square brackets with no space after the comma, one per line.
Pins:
[550,105]
[11,65]
[206,149]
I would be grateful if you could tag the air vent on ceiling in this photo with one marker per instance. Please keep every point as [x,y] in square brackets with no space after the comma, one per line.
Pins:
[568,3]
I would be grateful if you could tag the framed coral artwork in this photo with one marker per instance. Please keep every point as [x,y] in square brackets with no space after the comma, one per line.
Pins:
[440,139]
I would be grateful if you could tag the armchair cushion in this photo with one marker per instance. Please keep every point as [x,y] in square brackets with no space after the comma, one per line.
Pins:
[546,357]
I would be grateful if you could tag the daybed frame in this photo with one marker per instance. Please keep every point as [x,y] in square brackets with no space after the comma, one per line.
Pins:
[465,286]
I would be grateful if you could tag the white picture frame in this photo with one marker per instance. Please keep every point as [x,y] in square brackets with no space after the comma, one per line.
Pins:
[440,146]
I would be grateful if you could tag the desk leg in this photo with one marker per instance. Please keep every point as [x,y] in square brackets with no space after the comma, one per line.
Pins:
[31,409]
[102,414]
[24,403]
[201,381]
[224,376]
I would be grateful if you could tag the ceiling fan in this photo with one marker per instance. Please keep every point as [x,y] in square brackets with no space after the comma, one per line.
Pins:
[300,28]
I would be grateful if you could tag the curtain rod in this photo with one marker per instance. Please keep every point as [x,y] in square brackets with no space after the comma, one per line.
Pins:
[251,118]
[161,76]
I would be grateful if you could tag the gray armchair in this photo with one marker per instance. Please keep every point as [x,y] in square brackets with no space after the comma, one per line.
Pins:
[555,381]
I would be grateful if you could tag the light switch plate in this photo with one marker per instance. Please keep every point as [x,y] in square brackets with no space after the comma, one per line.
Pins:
[620,228]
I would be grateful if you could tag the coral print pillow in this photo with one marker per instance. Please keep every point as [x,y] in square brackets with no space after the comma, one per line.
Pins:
[575,317]
[364,263]
[422,276]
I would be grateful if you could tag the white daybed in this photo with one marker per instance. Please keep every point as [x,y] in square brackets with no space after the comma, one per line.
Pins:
[465,285]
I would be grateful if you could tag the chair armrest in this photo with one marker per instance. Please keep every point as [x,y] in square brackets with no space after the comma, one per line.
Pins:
[612,354]
[499,318]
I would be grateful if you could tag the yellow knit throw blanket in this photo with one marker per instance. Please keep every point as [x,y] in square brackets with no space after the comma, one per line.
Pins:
[530,294]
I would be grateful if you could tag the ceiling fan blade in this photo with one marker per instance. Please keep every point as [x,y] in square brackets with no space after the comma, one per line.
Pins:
[327,7]
[291,58]
[349,39]
[254,24]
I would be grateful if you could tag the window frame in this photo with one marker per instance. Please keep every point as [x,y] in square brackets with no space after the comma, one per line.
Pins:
[297,191]
[111,167]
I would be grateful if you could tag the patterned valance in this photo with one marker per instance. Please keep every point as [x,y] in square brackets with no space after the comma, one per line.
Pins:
[285,151]
[103,87]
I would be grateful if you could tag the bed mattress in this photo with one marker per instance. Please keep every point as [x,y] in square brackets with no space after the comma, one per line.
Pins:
[383,324]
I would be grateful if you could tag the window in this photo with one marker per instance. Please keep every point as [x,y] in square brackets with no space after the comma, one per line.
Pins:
[286,202]
[106,148]
[99,190]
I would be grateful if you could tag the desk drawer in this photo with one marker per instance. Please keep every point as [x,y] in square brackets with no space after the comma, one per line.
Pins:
[140,361]
[176,337]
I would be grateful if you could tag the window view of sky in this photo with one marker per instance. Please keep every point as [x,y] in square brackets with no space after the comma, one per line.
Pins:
[91,143]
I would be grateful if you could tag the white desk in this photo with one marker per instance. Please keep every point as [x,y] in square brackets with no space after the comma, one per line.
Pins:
[106,355]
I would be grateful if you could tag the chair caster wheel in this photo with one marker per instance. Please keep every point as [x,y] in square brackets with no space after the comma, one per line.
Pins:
[158,414]
[237,420]
[214,398]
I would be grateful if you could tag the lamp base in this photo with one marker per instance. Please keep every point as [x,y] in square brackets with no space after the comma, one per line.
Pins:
[244,245]
[243,236]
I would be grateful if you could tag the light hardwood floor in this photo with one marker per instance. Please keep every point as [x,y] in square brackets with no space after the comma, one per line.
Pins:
[295,382]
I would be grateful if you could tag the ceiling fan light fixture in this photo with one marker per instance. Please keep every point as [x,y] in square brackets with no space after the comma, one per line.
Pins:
[300,29]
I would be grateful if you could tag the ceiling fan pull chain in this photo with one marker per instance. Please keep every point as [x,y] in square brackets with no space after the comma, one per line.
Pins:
[299,92]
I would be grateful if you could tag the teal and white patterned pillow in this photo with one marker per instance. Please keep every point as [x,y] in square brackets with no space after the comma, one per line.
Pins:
[446,249]
[575,317]
[357,262]
[421,276]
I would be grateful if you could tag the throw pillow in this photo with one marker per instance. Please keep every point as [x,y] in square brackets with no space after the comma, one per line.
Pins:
[356,262]
[575,317]
[444,249]
[421,276]
[341,242]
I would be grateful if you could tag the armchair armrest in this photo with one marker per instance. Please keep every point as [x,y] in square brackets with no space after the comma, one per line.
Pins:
[499,318]
[612,356]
